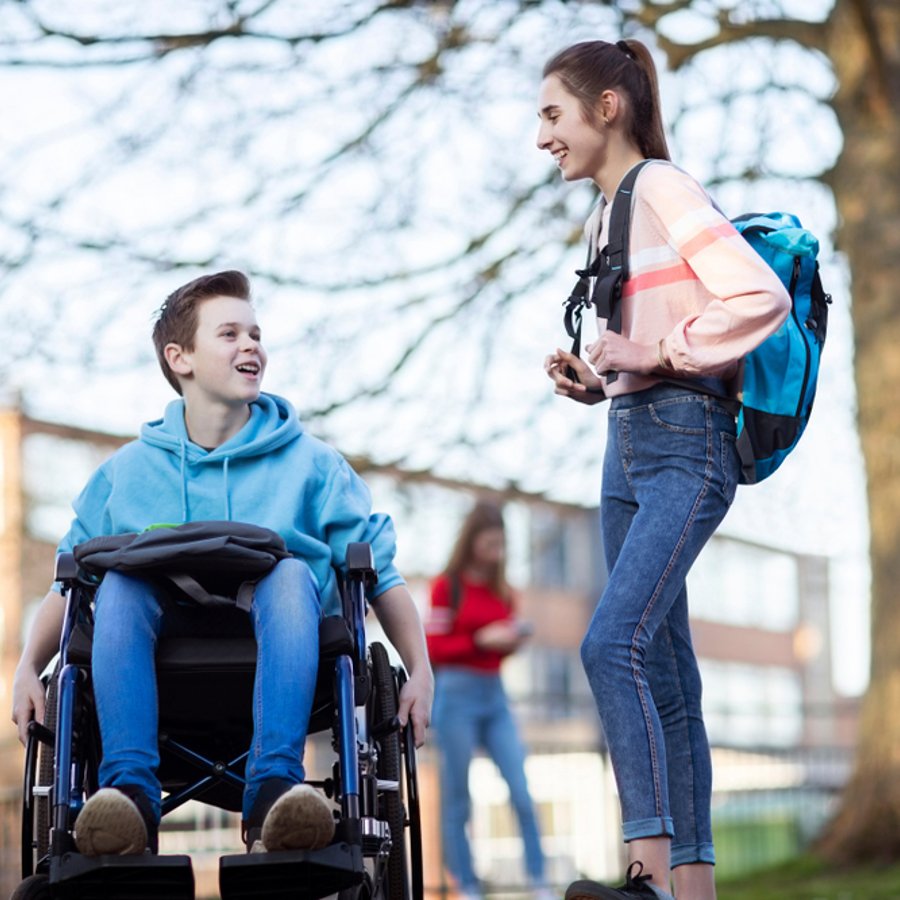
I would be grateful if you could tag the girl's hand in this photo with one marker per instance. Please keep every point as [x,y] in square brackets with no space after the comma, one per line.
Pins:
[614,353]
[504,636]
[591,388]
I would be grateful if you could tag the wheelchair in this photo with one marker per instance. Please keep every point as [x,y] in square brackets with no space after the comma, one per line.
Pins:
[205,702]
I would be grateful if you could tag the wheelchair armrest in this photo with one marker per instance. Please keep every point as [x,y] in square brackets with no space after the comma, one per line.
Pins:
[361,563]
[334,638]
[66,568]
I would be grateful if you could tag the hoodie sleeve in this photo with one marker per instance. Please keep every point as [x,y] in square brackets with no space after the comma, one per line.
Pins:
[346,516]
[91,514]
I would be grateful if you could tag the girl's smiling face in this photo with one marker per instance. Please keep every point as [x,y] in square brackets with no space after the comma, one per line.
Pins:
[578,147]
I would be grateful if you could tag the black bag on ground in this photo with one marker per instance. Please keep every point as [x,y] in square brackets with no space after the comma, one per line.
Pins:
[212,563]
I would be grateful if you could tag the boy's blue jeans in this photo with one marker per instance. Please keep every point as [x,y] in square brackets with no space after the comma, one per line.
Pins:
[129,619]
[471,710]
[669,476]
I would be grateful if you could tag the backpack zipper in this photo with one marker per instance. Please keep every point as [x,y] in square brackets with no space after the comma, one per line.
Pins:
[792,288]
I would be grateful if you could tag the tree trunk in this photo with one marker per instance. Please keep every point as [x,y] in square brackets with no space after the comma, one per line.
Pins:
[864,41]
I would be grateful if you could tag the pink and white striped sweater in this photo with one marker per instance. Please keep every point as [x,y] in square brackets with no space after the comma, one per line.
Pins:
[694,281]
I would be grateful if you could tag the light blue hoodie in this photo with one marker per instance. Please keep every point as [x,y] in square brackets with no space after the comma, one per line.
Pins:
[271,473]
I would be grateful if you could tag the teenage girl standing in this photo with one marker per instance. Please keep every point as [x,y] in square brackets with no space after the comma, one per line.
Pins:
[697,300]
[472,628]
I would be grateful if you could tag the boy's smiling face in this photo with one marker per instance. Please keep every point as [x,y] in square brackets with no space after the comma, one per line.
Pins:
[227,363]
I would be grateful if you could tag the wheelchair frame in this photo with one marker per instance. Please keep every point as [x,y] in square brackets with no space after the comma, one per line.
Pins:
[377,851]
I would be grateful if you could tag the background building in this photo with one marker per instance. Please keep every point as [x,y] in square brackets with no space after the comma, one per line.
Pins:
[782,738]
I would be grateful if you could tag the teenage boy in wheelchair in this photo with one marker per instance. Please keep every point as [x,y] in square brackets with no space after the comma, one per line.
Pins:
[225,451]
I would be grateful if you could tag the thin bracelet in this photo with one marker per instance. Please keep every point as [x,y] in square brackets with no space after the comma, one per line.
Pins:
[659,355]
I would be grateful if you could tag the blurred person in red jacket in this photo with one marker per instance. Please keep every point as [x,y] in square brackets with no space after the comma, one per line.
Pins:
[472,628]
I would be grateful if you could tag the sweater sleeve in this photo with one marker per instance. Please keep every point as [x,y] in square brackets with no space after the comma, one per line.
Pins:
[447,642]
[749,302]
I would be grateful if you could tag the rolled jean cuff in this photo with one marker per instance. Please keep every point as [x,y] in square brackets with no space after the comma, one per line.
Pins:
[685,854]
[648,828]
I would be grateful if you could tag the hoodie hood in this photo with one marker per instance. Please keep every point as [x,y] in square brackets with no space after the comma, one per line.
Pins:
[273,423]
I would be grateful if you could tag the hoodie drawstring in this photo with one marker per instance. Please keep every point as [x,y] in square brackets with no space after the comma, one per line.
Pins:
[184,484]
[184,494]
[227,498]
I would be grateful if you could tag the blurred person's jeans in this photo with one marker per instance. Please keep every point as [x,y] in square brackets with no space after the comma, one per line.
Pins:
[471,710]
[669,476]
[130,616]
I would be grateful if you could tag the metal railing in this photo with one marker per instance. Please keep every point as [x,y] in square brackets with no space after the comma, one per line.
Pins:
[768,806]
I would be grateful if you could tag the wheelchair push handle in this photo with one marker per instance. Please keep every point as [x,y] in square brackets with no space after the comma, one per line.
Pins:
[66,569]
[361,563]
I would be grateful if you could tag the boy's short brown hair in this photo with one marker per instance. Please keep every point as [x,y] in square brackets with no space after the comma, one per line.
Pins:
[176,320]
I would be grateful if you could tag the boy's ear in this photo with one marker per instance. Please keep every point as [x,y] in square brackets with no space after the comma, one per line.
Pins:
[177,359]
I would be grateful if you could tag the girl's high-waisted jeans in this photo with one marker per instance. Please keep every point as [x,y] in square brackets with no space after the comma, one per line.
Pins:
[669,476]
[130,617]
[471,710]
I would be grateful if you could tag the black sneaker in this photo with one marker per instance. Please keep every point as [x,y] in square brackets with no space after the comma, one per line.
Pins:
[636,887]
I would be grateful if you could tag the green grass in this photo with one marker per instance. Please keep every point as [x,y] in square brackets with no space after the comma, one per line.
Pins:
[808,878]
[746,846]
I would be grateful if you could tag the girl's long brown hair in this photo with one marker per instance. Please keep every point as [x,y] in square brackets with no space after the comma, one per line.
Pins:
[484,516]
[588,69]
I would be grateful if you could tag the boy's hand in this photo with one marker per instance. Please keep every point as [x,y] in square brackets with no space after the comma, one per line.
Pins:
[28,700]
[42,644]
[590,390]
[415,704]
[400,619]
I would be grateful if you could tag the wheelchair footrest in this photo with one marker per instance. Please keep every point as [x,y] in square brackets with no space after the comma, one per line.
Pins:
[291,874]
[145,877]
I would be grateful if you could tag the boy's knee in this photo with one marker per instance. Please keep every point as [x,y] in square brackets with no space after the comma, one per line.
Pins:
[289,578]
[291,572]
[293,568]
[118,585]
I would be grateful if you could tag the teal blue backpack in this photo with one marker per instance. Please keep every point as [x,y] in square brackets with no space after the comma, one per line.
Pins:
[781,374]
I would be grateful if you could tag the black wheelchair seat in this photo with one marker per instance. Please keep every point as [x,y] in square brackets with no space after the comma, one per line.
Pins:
[215,675]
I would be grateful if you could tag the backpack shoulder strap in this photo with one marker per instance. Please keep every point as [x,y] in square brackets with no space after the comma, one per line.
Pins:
[614,269]
[456,592]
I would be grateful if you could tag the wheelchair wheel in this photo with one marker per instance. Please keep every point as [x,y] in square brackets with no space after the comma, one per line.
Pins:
[37,887]
[384,708]
[45,772]
[36,802]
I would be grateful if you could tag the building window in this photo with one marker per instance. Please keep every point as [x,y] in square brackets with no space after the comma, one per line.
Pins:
[751,706]
[547,683]
[566,550]
[741,584]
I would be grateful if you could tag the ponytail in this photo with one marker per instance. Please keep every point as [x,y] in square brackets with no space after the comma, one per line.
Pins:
[588,69]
